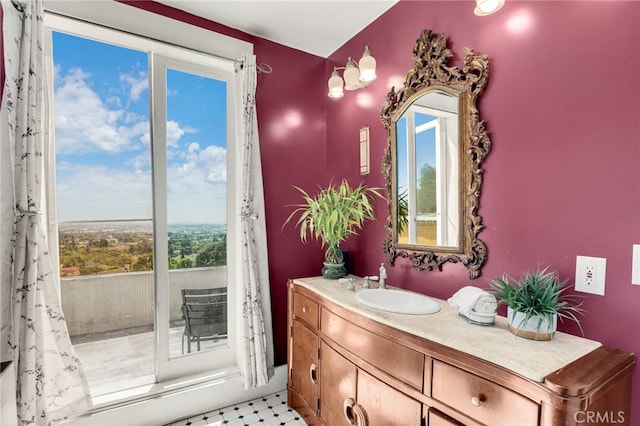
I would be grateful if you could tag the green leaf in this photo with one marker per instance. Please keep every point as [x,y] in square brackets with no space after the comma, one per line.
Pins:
[538,293]
[334,213]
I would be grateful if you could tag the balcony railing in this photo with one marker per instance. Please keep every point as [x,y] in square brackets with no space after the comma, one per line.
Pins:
[110,302]
[110,320]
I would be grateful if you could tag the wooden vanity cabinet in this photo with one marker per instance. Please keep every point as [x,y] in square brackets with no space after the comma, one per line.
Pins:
[347,369]
[304,344]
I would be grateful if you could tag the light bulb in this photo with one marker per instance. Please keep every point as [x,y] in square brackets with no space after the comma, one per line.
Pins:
[487,7]
[351,76]
[335,85]
[367,65]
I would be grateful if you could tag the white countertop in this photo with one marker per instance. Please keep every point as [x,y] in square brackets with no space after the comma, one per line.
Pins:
[531,359]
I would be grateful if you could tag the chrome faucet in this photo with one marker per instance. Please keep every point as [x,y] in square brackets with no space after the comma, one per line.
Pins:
[349,281]
[366,284]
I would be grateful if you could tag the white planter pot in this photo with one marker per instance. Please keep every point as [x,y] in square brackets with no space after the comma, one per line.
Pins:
[536,328]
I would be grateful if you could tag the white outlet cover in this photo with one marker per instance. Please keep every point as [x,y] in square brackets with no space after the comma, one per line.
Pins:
[590,274]
[635,268]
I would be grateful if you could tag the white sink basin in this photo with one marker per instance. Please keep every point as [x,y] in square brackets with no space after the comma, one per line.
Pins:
[398,301]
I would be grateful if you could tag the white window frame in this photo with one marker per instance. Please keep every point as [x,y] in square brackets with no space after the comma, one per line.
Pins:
[190,44]
[446,190]
[167,367]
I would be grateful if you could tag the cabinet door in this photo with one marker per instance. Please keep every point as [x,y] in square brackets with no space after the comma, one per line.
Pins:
[385,406]
[337,385]
[305,364]
[347,392]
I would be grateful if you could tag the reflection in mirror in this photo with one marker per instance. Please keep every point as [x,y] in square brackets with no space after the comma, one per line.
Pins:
[427,176]
[433,161]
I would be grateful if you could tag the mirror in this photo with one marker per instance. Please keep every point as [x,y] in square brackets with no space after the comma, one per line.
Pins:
[433,161]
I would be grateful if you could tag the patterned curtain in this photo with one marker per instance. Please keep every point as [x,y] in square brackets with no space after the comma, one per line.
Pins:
[50,384]
[257,340]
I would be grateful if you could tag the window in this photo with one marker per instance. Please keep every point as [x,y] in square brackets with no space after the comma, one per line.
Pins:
[427,152]
[144,142]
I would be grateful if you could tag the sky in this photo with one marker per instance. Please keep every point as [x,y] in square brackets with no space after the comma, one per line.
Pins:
[102,132]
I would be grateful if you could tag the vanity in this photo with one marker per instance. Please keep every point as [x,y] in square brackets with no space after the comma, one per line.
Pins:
[349,364]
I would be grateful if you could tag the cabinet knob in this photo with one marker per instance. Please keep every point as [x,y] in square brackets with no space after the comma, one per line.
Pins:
[347,410]
[360,415]
[478,400]
[305,309]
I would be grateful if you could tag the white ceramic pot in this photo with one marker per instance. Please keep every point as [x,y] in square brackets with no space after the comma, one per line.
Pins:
[535,328]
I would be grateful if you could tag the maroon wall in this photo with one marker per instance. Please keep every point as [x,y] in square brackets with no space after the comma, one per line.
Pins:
[563,177]
[291,121]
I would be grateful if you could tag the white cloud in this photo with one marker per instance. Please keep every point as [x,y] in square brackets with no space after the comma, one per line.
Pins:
[137,84]
[174,133]
[86,123]
[100,192]
[214,159]
[204,165]
[192,198]
[193,147]
[114,101]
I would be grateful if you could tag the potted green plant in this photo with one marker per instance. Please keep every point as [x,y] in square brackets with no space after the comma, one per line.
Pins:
[331,216]
[535,302]
[403,210]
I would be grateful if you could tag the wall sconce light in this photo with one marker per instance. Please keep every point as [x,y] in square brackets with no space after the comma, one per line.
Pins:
[487,7]
[355,76]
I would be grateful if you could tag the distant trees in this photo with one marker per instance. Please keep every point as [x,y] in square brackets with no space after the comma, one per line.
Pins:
[426,197]
[96,253]
[143,263]
[212,254]
[94,259]
[184,263]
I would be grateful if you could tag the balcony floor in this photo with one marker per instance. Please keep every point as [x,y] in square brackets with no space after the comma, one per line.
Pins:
[123,359]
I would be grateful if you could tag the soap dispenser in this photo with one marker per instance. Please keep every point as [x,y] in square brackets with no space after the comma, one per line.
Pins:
[383,276]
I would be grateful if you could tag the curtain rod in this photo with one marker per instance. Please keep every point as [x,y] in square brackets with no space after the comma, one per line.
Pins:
[262,68]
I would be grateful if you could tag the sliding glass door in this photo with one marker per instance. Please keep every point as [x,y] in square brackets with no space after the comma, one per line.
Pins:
[140,162]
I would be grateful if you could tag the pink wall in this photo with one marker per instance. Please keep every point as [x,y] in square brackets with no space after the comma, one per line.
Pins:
[291,121]
[563,176]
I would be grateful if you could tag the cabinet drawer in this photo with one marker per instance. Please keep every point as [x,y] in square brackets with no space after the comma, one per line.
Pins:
[480,399]
[398,361]
[305,309]
[436,418]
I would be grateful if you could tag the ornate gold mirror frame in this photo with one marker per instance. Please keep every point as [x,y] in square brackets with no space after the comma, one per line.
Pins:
[431,74]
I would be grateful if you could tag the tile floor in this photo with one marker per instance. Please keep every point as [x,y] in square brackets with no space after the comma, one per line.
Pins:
[271,410]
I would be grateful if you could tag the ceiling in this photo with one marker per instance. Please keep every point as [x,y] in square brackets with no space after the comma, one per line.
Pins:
[318,27]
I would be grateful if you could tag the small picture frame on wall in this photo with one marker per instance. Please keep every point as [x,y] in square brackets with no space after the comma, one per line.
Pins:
[364,151]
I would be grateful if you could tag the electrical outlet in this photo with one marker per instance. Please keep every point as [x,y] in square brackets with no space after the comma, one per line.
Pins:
[590,274]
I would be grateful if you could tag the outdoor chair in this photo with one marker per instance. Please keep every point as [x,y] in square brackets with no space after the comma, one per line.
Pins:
[205,315]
